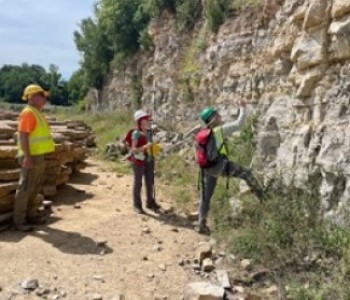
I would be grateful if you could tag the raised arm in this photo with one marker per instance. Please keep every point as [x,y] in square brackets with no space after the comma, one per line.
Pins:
[231,127]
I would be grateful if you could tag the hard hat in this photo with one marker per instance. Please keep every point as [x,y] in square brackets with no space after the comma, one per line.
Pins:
[33,89]
[140,114]
[207,113]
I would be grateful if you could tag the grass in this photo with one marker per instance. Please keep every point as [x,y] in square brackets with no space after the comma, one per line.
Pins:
[180,179]
[107,126]
[306,255]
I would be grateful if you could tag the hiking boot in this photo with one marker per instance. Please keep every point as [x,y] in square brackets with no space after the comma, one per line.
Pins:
[153,206]
[139,210]
[23,227]
[203,229]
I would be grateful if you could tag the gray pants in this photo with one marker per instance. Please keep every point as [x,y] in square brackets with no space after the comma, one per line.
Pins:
[145,171]
[28,189]
[209,180]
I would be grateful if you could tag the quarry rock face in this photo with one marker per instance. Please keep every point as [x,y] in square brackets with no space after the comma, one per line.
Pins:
[289,58]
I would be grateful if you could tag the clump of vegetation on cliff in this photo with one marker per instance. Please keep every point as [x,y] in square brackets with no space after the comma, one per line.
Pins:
[305,254]
[119,29]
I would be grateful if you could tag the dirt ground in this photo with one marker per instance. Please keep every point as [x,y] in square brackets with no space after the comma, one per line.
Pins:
[95,245]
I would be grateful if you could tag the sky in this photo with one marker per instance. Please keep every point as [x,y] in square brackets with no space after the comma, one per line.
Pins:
[41,32]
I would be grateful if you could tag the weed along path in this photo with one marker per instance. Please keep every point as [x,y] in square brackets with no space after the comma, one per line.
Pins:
[95,247]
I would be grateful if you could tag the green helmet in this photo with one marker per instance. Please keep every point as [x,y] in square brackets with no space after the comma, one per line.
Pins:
[207,113]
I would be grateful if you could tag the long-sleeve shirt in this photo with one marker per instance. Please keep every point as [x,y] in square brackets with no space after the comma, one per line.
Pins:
[228,129]
[231,127]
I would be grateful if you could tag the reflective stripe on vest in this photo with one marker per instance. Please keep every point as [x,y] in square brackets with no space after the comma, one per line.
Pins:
[40,139]
[220,140]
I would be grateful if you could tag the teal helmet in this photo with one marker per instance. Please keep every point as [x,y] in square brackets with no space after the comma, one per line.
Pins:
[207,113]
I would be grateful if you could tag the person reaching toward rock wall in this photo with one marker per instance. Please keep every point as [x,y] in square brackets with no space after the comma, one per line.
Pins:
[212,157]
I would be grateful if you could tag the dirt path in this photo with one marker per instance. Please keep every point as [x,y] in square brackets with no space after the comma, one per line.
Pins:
[68,255]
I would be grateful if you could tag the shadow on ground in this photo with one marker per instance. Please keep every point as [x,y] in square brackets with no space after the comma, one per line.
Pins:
[83,178]
[65,241]
[172,219]
[70,195]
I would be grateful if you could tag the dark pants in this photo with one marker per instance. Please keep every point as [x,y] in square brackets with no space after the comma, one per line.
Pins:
[146,171]
[209,181]
[28,189]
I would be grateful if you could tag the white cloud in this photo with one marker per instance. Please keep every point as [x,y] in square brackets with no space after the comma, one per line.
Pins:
[41,32]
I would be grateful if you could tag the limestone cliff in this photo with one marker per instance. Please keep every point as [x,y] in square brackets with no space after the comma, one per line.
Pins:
[289,58]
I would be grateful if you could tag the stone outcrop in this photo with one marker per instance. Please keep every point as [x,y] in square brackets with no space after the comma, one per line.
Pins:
[203,290]
[72,139]
[289,58]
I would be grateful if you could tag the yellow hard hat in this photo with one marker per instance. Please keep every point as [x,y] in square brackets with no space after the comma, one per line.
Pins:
[33,89]
[154,150]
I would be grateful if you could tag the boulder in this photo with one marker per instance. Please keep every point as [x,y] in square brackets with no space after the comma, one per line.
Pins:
[316,14]
[204,251]
[340,8]
[309,49]
[308,83]
[203,291]
[340,35]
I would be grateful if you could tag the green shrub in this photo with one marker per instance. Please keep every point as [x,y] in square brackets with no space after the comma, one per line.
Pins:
[241,4]
[155,7]
[242,146]
[217,12]
[136,91]
[145,40]
[180,179]
[81,105]
[187,13]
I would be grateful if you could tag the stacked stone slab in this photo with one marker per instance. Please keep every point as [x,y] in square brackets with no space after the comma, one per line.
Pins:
[72,138]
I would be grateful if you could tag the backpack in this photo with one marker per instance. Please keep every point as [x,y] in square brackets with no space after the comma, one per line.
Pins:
[202,140]
[206,152]
[127,140]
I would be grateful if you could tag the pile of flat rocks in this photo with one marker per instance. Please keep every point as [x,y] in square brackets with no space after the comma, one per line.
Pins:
[73,140]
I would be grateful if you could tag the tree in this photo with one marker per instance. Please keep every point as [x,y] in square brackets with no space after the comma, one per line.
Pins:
[13,80]
[76,87]
[97,52]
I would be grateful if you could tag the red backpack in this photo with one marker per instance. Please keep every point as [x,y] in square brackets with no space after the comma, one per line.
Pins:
[201,142]
[127,140]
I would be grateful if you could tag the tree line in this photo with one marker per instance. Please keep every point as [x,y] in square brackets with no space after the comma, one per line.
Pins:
[119,29]
[13,80]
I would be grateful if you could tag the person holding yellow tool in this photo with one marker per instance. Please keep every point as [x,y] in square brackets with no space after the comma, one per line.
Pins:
[34,141]
[142,154]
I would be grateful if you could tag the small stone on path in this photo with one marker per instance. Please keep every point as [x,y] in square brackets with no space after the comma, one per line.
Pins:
[30,284]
